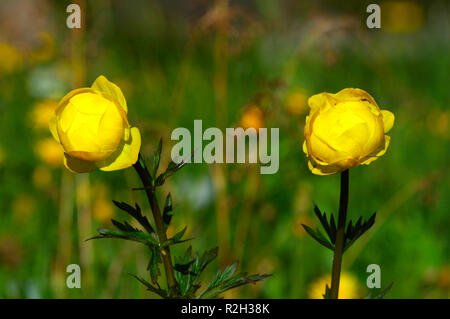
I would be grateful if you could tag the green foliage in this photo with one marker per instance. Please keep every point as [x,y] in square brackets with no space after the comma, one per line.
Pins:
[168,211]
[354,232]
[171,169]
[326,295]
[136,213]
[319,237]
[169,78]
[226,280]
[137,236]
[348,237]
[157,158]
[188,267]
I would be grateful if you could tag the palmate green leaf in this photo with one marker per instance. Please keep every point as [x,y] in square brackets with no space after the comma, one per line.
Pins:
[221,277]
[136,236]
[176,239]
[171,169]
[354,232]
[124,226]
[184,268]
[207,257]
[192,267]
[330,228]
[179,235]
[225,280]
[157,158]
[326,295]
[317,235]
[183,264]
[150,287]
[186,278]
[183,272]
[168,211]
[136,213]
[153,264]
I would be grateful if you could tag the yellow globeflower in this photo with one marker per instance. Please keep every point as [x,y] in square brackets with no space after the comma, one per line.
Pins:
[348,287]
[344,130]
[92,126]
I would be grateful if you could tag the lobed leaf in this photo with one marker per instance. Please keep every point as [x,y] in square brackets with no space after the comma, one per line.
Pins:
[168,211]
[136,236]
[150,287]
[157,158]
[317,235]
[225,280]
[352,233]
[136,213]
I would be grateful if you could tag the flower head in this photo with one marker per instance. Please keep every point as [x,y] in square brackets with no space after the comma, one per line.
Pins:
[92,126]
[344,130]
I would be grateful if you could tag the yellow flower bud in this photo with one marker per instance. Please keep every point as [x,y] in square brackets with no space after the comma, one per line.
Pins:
[344,130]
[92,126]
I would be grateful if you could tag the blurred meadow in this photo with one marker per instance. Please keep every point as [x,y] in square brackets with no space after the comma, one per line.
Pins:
[230,63]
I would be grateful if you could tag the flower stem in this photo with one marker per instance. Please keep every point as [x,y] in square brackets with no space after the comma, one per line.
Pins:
[146,179]
[340,233]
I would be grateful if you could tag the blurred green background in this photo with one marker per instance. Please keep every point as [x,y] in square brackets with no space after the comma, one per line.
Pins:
[229,63]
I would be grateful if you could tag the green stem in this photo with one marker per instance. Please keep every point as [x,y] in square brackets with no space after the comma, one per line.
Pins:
[340,233]
[146,179]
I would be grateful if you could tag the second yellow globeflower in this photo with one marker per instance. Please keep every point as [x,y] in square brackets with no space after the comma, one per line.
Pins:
[344,130]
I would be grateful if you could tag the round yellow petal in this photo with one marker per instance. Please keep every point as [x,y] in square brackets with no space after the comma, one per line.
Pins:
[103,85]
[320,100]
[52,126]
[90,127]
[388,120]
[126,154]
[353,94]
[382,150]
[323,170]
[305,148]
